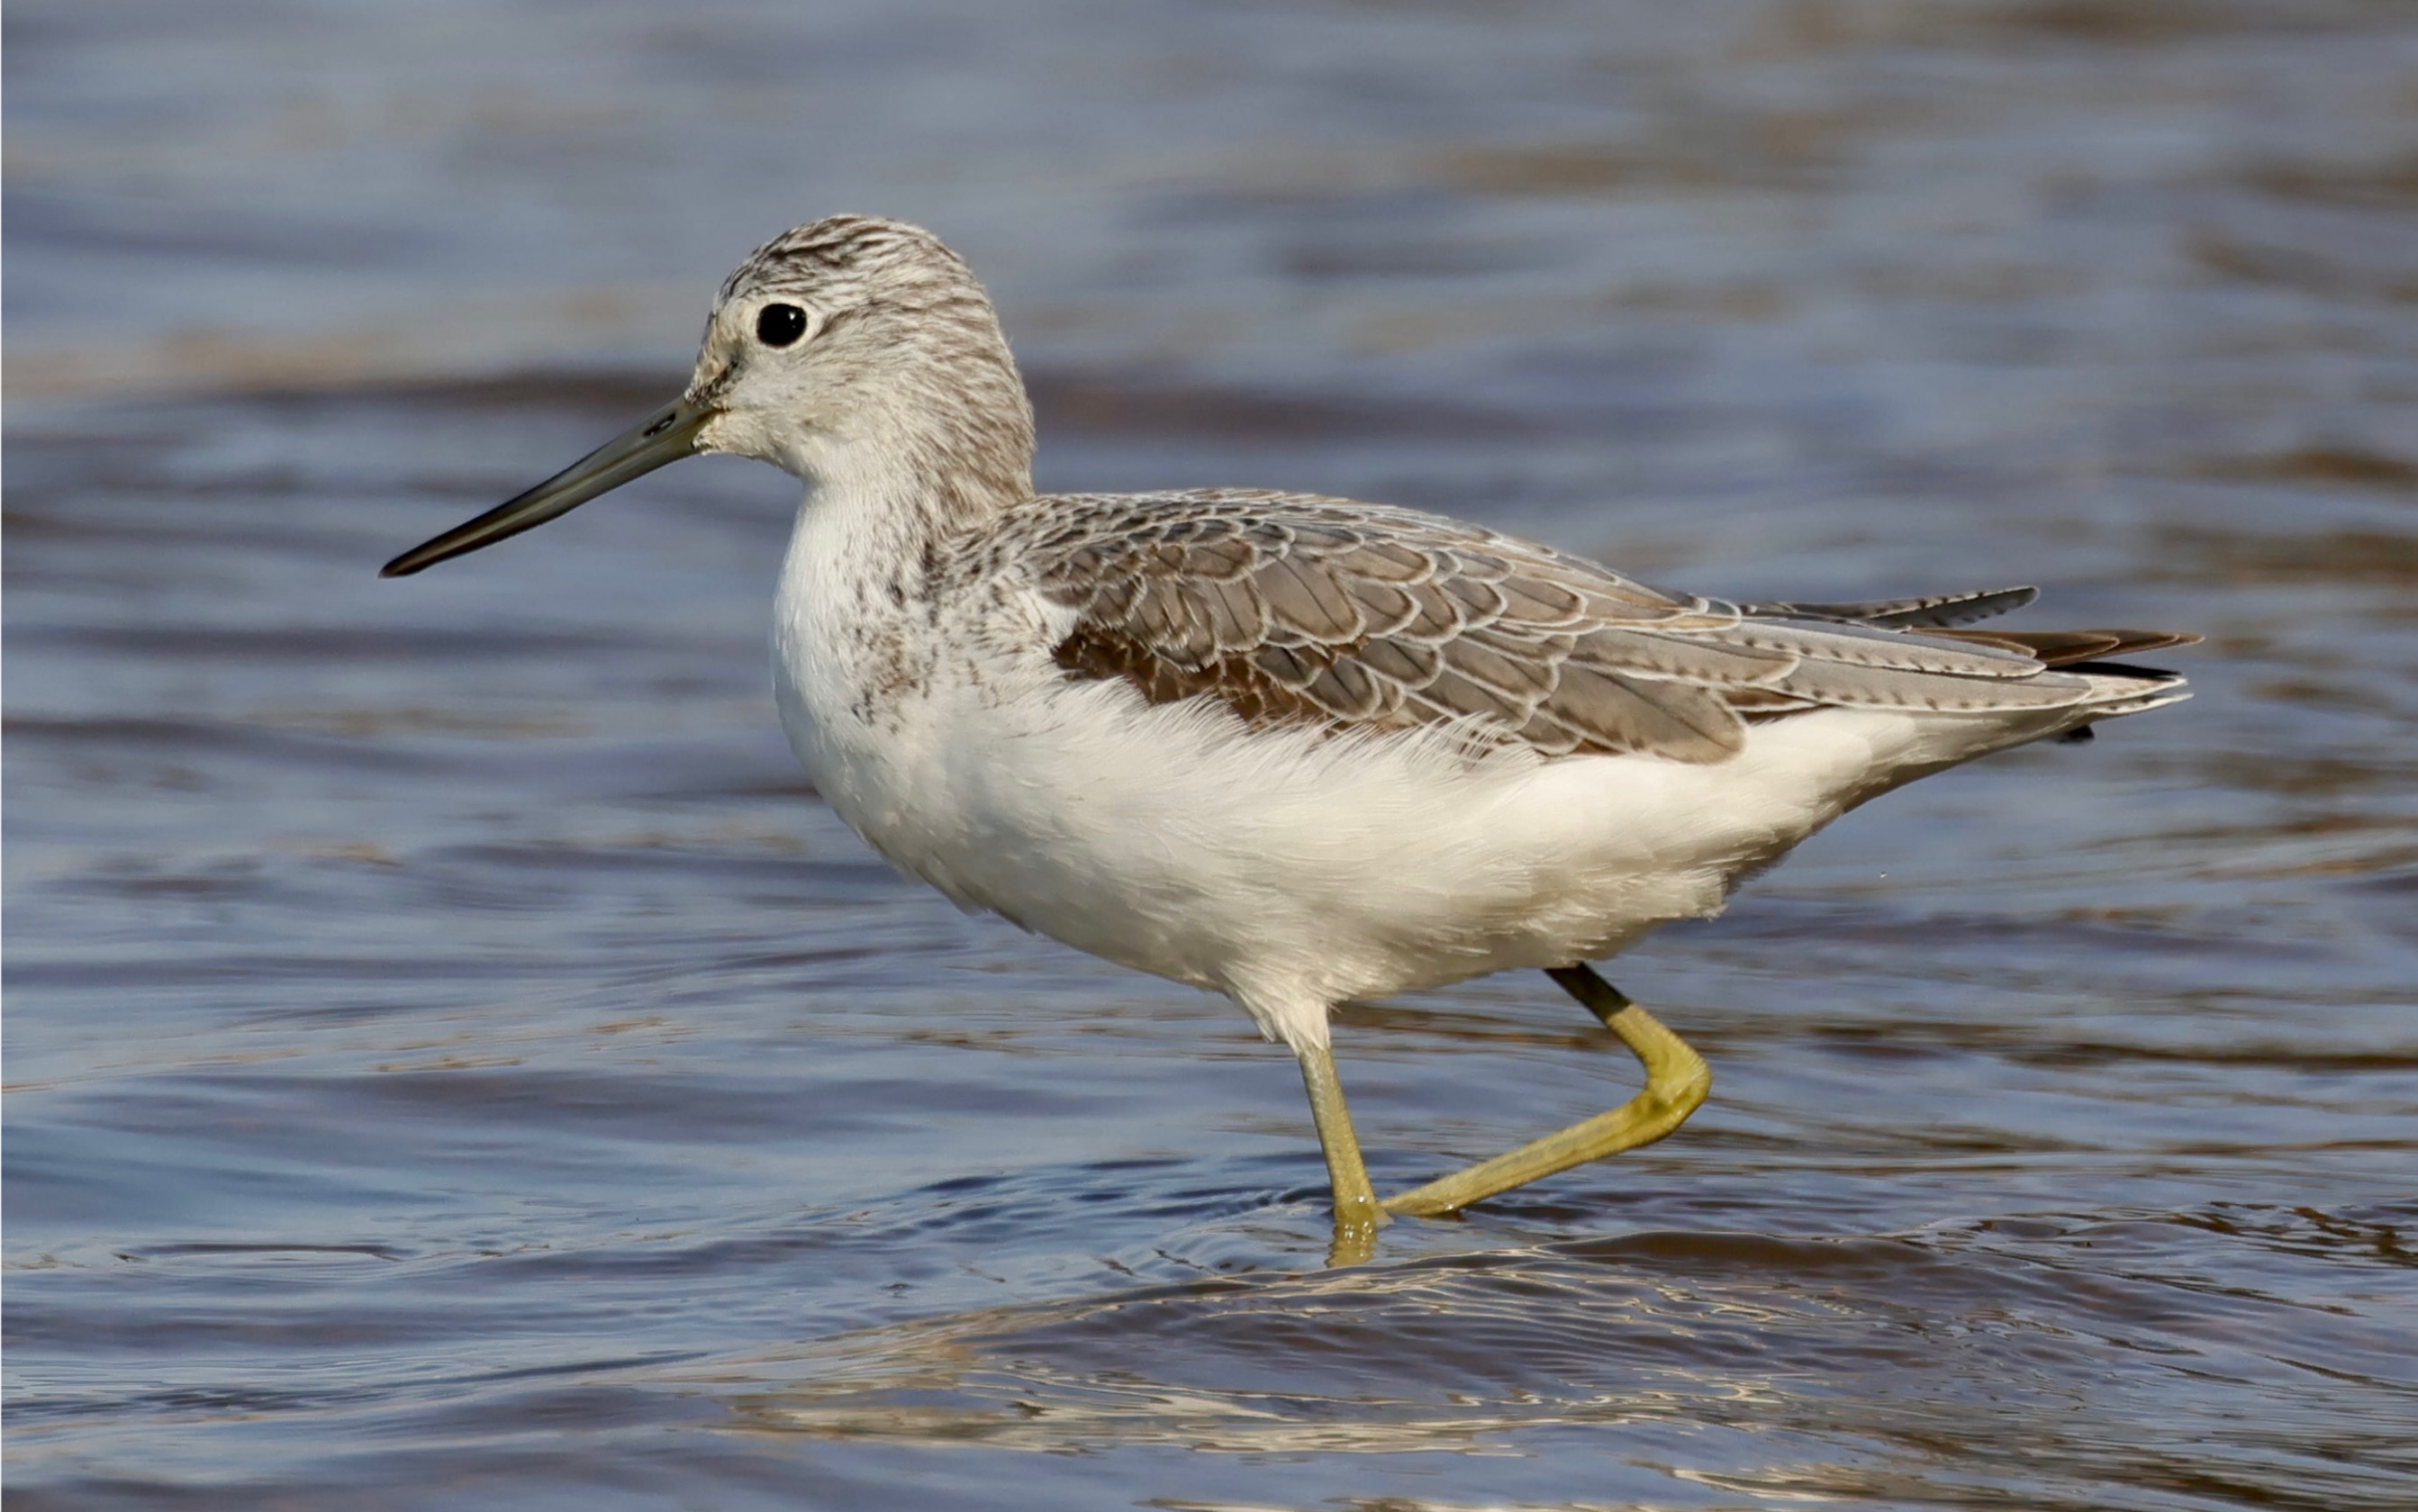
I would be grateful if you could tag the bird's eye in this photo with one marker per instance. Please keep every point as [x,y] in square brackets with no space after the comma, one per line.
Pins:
[779,325]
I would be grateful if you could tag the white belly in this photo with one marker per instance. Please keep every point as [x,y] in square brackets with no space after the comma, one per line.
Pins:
[1292,870]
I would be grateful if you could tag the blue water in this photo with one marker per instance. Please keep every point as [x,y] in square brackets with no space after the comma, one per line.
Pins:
[455,1061]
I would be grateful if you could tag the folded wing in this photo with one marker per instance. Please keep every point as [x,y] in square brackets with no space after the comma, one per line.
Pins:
[1289,609]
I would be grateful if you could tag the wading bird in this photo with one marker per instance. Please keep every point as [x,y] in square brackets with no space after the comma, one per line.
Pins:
[1297,750]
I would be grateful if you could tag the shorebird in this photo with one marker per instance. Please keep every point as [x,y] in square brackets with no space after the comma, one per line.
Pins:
[1297,749]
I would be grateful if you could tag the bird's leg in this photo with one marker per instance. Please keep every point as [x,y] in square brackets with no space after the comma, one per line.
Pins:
[1356,1212]
[1677,1080]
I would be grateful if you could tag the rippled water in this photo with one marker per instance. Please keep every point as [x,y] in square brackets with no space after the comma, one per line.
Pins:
[453,1061]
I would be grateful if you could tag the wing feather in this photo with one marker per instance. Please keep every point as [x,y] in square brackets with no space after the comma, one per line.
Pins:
[1291,608]
[1935,612]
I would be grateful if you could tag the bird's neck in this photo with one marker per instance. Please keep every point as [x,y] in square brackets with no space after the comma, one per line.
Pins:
[927,456]
[904,475]
[892,496]
[884,520]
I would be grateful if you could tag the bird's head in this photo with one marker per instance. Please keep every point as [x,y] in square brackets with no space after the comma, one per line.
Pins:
[851,346]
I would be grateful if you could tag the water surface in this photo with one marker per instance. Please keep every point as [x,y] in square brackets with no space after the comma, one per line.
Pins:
[454,1060]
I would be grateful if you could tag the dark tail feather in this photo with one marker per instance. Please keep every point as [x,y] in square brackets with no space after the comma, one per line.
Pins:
[2070,648]
[1938,610]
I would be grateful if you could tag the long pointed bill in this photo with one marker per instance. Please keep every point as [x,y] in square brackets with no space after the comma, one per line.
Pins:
[666,435]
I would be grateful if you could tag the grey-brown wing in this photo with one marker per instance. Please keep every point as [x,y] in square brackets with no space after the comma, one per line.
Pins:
[1290,608]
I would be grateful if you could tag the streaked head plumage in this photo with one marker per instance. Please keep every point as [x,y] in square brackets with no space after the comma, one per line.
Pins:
[843,260]
[851,349]
[854,332]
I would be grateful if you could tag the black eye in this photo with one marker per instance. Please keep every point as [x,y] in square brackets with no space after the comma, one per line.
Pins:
[778,325]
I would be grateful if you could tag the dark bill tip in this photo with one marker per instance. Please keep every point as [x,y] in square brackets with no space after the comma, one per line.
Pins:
[666,436]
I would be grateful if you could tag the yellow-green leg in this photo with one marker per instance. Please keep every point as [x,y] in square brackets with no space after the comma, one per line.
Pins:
[1356,1212]
[1677,1080]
